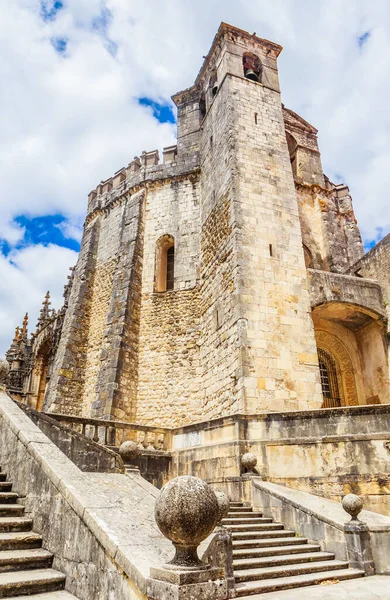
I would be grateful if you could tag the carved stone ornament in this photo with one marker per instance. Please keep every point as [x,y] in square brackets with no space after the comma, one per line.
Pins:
[129,451]
[186,512]
[4,370]
[249,461]
[223,503]
[353,505]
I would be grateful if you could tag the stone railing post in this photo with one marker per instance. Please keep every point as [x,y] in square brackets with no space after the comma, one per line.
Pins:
[357,536]
[129,453]
[187,511]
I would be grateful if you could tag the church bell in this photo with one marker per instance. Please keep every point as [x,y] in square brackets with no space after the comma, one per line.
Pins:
[250,74]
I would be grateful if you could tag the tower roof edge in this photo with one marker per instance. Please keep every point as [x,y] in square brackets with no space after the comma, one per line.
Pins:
[225,28]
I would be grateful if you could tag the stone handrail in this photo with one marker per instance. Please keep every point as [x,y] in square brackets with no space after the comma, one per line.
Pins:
[114,433]
[323,521]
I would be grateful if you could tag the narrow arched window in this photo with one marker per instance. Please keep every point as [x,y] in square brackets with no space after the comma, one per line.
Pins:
[165,264]
[252,66]
[170,267]
[213,85]
[202,106]
[308,257]
[329,383]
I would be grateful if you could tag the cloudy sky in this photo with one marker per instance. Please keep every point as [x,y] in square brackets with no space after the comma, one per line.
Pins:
[86,86]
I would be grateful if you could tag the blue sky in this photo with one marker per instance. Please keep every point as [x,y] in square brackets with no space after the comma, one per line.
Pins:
[87,86]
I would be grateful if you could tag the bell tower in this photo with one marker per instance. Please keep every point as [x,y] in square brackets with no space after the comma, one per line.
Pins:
[260,335]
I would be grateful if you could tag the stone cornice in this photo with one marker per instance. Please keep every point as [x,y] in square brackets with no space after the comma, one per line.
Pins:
[315,189]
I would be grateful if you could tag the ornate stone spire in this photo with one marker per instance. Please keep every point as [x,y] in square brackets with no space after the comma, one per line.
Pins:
[24,330]
[45,311]
[16,336]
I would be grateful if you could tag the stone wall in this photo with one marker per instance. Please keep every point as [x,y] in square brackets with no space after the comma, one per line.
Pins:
[376,265]
[280,364]
[328,452]
[65,388]
[170,374]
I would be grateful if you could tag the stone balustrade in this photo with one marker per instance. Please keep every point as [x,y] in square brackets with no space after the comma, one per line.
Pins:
[114,433]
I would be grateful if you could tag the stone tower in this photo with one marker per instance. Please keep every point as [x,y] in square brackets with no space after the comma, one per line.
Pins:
[218,281]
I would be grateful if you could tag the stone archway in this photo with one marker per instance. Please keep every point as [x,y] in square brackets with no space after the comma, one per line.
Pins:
[344,366]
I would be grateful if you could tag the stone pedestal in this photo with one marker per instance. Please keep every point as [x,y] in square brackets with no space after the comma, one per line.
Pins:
[359,546]
[208,584]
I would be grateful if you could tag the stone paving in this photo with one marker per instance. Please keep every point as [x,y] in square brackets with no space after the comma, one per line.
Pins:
[367,588]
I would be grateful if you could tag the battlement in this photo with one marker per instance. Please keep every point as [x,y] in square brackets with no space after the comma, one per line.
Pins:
[147,159]
[142,169]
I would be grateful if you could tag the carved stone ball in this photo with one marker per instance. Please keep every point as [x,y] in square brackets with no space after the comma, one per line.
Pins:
[186,510]
[223,503]
[249,461]
[4,370]
[353,505]
[129,451]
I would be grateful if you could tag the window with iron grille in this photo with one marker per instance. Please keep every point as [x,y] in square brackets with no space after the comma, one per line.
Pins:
[329,383]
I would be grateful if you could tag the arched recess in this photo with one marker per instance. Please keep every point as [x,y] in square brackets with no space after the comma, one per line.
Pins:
[354,337]
[252,66]
[308,257]
[292,150]
[165,264]
[346,384]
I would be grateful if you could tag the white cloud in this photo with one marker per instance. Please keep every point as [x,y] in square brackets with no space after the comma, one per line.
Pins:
[69,121]
[26,275]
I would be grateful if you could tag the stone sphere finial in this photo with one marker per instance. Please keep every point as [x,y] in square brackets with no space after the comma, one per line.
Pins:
[186,513]
[129,451]
[4,370]
[223,504]
[353,505]
[249,461]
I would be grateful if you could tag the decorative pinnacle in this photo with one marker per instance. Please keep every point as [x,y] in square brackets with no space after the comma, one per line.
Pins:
[45,310]
[24,327]
[17,335]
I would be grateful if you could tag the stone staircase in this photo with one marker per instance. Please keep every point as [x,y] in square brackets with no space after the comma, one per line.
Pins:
[267,557]
[25,567]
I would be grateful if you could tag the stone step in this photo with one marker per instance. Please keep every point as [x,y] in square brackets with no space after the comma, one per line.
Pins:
[13,540]
[59,595]
[233,503]
[31,558]
[15,524]
[8,510]
[267,542]
[8,497]
[289,570]
[258,535]
[5,486]
[279,560]
[235,509]
[244,521]
[253,590]
[250,520]
[239,528]
[258,552]
[244,514]
[18,583]
[3,476]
